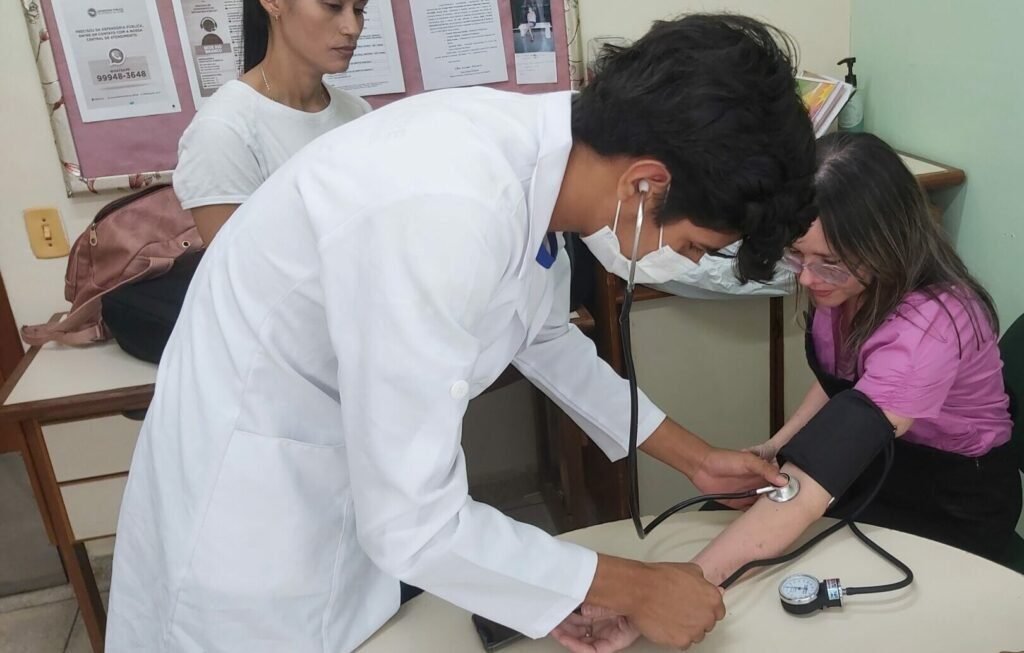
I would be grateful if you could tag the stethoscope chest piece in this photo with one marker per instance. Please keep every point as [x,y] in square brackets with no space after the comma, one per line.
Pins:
[786,492]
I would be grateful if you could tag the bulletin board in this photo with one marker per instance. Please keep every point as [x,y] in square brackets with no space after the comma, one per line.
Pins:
[132,153]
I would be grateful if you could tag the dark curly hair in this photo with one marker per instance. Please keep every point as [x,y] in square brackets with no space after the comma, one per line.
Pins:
[712,97]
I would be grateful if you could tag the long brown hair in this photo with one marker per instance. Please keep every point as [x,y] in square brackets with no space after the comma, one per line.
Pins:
[876,219]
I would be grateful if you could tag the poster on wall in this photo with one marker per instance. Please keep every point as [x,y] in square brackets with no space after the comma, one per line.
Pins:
[459,42]
[376,66]
[204,27]
[533,42]
[117,59]
[233,9]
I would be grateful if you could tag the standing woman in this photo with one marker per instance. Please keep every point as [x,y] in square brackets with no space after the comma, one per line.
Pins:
[251,126]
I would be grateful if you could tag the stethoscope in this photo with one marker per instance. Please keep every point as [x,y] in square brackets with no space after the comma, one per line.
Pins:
[799,594]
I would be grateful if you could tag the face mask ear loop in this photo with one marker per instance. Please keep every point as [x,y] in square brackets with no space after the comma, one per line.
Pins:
[636,241]
[661,233]
[618,210]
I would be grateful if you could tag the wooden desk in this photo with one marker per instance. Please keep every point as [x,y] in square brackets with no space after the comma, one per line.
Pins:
[78,480]
[79,473]
[605,483]
[933,176]
[958,602]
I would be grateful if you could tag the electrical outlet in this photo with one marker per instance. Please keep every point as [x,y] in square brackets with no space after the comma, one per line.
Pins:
[46,232]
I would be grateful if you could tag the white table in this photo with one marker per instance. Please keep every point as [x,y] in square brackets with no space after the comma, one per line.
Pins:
[68,402]
[77,447]
[958,603]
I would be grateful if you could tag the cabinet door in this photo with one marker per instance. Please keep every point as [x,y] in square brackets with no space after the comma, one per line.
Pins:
[93,506]
[91,447]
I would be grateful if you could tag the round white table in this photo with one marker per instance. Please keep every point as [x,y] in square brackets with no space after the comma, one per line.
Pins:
[958,603]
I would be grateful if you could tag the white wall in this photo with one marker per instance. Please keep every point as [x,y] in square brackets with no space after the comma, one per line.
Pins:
[821,28]
[30,176]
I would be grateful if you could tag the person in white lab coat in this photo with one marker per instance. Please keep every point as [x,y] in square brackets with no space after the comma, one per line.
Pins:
[302,451]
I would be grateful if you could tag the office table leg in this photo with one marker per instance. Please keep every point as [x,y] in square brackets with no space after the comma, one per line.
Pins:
[72,553]
[90,603]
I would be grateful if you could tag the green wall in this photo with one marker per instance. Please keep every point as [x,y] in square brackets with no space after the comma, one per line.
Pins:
[945,80]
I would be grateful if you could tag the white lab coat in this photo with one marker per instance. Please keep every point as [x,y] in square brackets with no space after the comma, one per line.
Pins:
[302,453]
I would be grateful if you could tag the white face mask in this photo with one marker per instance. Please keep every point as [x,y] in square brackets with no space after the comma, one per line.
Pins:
[660,266]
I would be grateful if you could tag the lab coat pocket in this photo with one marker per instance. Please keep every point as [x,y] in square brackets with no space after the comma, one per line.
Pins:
[268,541]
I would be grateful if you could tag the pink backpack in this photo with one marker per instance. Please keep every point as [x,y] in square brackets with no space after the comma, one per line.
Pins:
[132,239]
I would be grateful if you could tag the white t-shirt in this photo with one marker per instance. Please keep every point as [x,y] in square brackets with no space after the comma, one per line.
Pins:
[240,137]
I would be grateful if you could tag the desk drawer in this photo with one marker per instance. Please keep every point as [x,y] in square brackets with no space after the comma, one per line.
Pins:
[93,506]
[91,447]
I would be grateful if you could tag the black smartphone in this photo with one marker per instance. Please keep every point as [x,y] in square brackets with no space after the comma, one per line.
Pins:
[493,635]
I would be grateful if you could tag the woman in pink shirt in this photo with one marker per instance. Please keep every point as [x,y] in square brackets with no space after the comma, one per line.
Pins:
[897,321]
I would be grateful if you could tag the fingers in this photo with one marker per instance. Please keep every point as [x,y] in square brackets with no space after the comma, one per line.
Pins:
[765,452]
[690,568]
[574,644]
[682,606]
[578,619]
[597,612]
[613,635]
[719,610]
[577,629]
[766,470]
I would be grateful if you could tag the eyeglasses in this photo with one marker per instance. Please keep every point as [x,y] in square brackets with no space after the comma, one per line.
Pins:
[832,274]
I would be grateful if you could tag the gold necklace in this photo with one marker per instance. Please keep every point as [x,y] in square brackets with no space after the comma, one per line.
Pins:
[265,82]
[270,94]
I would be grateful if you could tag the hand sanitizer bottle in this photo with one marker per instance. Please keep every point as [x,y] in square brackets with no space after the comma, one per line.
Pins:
[851,118]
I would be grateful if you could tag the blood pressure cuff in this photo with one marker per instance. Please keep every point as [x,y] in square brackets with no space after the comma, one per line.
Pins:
[838,444]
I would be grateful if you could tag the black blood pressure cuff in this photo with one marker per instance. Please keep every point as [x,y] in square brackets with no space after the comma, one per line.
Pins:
[839,443]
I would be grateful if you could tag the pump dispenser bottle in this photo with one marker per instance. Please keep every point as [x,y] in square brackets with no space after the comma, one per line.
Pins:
[851,118]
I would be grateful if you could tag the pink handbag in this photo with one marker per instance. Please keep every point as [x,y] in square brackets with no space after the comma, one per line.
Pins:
[132,239]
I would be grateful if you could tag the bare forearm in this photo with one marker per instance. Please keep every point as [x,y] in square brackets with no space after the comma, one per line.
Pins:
[209,219]
[766,530]
[675,446]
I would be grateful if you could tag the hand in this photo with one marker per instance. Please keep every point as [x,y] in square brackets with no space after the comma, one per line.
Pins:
[676,606]
[723,471]
[596,630]
[765,451]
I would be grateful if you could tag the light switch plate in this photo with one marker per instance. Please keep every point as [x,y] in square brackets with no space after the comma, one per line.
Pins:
[46,232]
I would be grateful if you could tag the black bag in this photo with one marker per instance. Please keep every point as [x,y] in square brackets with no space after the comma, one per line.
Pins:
[141,316]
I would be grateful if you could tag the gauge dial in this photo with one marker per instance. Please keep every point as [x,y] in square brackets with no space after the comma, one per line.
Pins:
[799,589]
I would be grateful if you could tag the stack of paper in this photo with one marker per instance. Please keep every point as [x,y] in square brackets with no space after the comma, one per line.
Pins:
[825,97]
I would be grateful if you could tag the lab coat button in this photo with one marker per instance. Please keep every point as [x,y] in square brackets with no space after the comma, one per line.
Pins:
[459,389]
